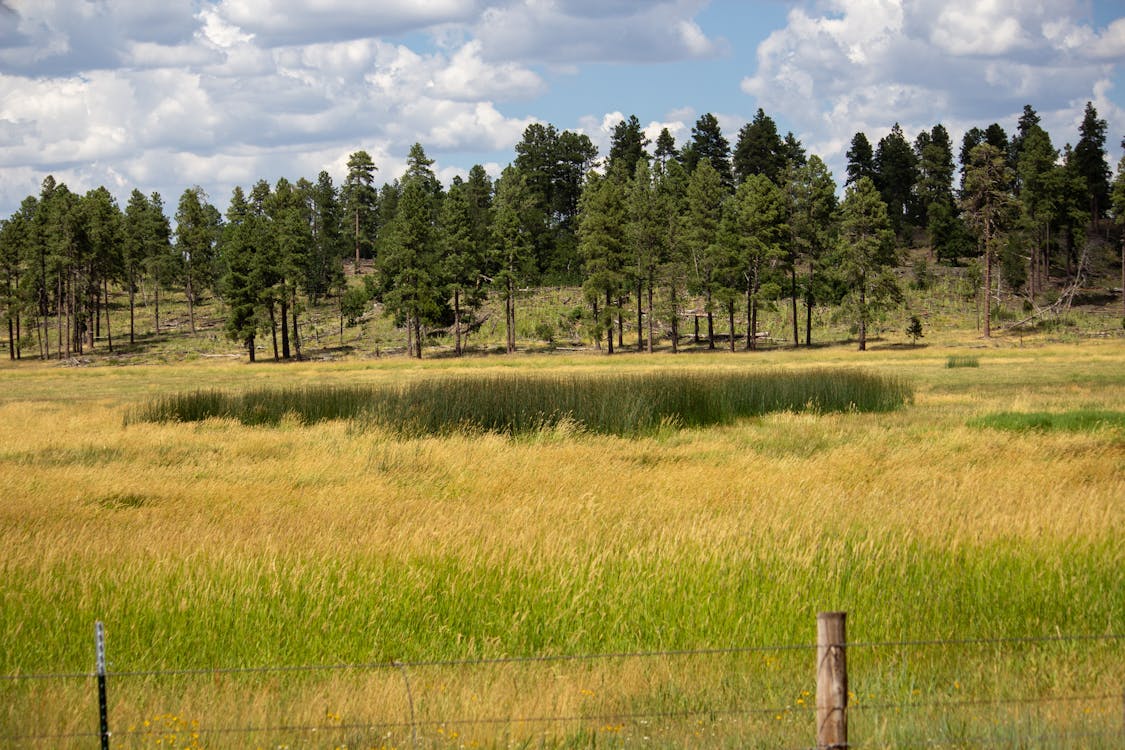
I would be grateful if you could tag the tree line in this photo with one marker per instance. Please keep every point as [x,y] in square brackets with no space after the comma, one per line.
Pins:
[648,230]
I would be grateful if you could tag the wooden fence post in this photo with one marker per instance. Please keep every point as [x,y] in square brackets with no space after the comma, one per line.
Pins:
[831,681]
[103,713]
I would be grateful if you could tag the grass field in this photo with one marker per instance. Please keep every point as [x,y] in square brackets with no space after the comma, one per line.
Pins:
[215,545]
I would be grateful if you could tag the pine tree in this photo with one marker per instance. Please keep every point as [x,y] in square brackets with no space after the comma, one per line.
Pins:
[867,254]
[755,223]
[465,236]
[708,143]
[516,216]
[665,147]
[627,147]
[759,149]
[602,244]
[645,234]
[896,174]
[861,159]
[1090,161]
[987,203]
[409,265]
[360,205]
[705,195]
[812,221]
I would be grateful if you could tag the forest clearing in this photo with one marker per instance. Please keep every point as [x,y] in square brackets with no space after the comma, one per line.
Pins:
[215,546]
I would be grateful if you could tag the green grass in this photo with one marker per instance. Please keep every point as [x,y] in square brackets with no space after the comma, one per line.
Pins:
[955,361]
[626,404]
[1078,420]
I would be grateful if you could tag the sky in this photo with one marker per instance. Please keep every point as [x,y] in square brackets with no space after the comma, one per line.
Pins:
[162,96]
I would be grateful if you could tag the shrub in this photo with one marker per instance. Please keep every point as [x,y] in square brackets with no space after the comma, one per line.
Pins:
[962,361]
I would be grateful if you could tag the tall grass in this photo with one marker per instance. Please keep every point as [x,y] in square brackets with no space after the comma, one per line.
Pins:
[625,404]
[1077,420]
[955,361]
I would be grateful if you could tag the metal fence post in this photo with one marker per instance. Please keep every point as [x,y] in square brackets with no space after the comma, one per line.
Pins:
[103,712]
[831,681]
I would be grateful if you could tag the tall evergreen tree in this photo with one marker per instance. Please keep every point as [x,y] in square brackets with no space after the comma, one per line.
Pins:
[867,254]
[627,147]
[671,199]
[812,222]
[1090,160]
[645,234]
[705,195]
[465,236]
[324,270]
[1117,199]
[987,202]
[603,243]
[665,147]
[759,149]
[708,143]
[410,266]
[755,222]
[360,205]
[896,174]
[1040,179]
[197,225]
[516,217]
[102,229]
[240,280]
[861,159]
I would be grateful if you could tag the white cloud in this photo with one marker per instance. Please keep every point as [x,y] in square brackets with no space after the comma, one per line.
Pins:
[282,22]
[568,31]
[468,78]
[862,64]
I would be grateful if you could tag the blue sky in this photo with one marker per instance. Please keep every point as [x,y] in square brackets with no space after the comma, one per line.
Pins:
[162,96]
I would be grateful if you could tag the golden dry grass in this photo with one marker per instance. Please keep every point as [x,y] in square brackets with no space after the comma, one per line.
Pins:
[218,545]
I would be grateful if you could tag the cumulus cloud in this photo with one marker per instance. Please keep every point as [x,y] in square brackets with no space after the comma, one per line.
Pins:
[284,22]
[572,31]
[856,65]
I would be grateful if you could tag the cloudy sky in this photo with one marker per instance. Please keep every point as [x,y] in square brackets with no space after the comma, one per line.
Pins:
[166,94]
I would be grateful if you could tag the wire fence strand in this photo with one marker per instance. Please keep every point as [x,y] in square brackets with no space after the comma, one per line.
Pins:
[549,658]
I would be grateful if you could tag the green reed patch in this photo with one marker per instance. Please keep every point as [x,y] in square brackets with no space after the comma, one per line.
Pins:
[1078,420]
[629,404]
[962,361]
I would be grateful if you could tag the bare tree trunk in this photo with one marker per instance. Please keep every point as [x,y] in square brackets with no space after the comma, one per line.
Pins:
[284,327]
[987,284]
[675,321]
[808,310]
[793,285]
[597,326]
[250,346]
[156,305]
[273,330]
[357,241]
[108,332]
[863,315]
[640,316]
[457,322]
[650,321]
[730,321]
[132,310]
[62,335]
[190,304]
[296,328]
[609,328]
[710,322]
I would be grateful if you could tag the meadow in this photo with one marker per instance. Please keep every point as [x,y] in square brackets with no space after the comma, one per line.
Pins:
[680,560]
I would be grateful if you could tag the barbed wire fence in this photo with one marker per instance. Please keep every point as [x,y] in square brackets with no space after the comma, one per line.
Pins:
[1038,716]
